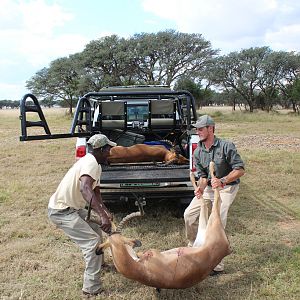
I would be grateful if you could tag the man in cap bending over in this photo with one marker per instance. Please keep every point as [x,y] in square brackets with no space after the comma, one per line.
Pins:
[229,167]
[79,187]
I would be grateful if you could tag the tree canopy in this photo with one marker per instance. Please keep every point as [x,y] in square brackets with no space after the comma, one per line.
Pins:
[257,75]
[254,77]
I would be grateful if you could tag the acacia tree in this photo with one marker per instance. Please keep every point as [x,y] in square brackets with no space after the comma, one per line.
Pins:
[9,103]
[188,84]
[203,96]
[290,76]
[256,74]
[107,61]
[163,57]
[292,95]
[295,96]
[252,75]
[158,58]
[241,72]
[270,74]
[59,82]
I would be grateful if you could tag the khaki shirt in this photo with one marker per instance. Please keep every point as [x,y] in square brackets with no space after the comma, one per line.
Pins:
[223,153]
[68,192]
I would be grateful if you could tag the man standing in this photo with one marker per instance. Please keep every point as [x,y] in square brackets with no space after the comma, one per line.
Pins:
[229,167]
[79,187]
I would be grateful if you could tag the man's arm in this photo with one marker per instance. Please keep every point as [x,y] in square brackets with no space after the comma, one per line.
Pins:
[232,176]
[201,173]
[93,197]
[202,183]
[99,197]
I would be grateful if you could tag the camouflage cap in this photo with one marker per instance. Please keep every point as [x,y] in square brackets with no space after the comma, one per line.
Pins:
[100,140]
[204,121]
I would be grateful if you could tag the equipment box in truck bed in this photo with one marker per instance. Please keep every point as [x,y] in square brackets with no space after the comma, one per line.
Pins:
[131,115]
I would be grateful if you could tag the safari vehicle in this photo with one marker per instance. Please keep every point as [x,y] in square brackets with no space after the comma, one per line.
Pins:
[128,116]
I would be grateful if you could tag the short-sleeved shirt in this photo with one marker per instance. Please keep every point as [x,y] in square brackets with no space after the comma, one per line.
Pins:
[68,191]
[223,153]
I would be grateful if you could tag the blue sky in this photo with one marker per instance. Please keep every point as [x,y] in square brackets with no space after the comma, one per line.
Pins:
[35,32]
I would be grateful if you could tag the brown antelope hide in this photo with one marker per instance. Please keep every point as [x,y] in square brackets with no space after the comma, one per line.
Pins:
[145,153]
[179,267]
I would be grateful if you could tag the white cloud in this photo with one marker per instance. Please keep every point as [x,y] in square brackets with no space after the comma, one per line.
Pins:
[31,37]
[29,31]
[286,37]
[233,24]
[34,32]
[40,18]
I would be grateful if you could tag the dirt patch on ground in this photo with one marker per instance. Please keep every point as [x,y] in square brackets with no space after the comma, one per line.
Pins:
[289,224]
[275,142]
[289,229]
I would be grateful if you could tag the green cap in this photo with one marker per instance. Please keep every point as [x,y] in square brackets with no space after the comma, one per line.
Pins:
[100,140]
[204,121]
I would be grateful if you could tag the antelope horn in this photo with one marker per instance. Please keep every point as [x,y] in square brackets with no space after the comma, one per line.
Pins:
[127,219]
[212,169]
[193,180]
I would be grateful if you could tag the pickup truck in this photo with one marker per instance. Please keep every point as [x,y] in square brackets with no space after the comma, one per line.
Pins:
[131,115]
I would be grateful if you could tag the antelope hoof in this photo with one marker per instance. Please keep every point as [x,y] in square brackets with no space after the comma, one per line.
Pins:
[99,251]
[137,243]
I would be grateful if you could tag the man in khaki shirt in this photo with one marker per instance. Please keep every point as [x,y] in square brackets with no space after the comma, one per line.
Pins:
[79,187]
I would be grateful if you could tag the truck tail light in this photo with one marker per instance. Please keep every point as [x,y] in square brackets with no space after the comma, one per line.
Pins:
[80,151]
[194,146]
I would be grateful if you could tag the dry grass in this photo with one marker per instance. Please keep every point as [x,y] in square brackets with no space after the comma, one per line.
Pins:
[38,262]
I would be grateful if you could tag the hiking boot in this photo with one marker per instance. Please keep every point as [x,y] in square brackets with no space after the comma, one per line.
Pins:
[216,273]
[87,295]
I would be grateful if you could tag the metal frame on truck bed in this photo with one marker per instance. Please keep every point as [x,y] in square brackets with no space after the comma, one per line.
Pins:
[128,116]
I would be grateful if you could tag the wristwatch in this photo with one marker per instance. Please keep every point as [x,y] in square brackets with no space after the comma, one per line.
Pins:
[223,180]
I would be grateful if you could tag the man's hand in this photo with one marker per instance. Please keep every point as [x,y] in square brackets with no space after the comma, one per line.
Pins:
[105,222]
[198,192]
[216,182]
[109,215]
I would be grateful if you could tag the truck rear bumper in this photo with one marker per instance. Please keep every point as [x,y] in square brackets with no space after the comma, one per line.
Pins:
[146,180]
[183,193]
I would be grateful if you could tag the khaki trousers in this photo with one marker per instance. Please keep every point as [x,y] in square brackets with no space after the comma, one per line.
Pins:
[86,236]
[192,212]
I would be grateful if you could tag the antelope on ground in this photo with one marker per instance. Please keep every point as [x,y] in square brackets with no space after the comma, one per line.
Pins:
[176,268]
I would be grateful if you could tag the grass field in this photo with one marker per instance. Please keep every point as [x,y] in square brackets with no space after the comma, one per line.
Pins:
[37,261]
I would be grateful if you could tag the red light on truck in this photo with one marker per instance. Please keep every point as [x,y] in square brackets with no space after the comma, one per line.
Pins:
[194,146]
[80,152]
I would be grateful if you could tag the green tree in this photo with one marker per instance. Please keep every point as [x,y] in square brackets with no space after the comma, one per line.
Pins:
[292,94]
[164,57]
[256,74]
[59,82]
[188,84]
[240,71]
[106,62]
[295,95]
[49,102]
[157,58]
[9,103]
[290,75]
[271,74]
[203,96]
